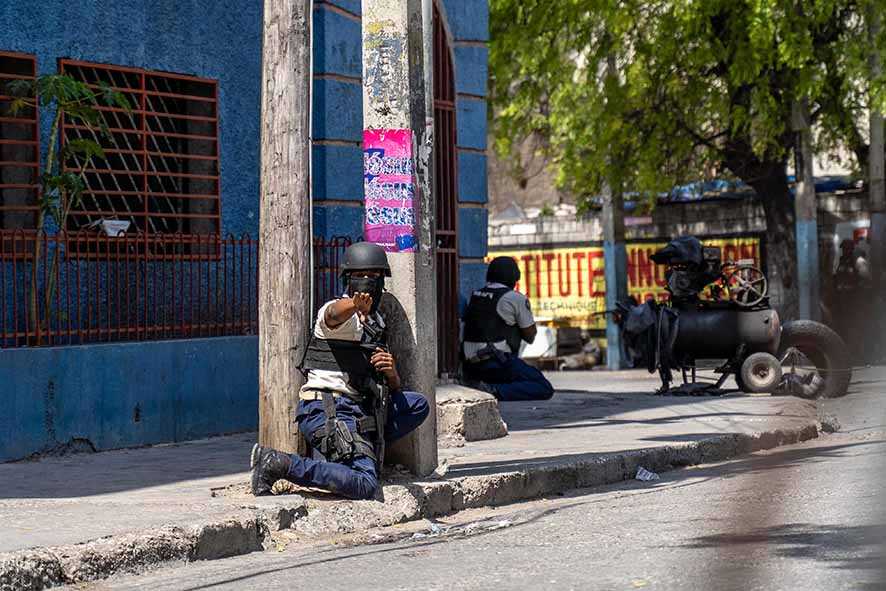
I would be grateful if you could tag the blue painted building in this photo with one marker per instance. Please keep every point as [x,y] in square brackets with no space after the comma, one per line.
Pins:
[192,70]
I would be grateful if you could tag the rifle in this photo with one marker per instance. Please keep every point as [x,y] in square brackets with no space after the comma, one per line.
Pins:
[374,339]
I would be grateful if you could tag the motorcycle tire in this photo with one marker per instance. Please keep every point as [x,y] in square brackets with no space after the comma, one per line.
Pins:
[824,348]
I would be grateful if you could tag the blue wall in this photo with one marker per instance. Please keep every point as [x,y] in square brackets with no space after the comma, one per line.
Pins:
[188,389]
[218,39]
[127,394]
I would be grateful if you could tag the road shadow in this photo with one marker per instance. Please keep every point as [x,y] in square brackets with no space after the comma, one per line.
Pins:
[84,475]
[842,546]
[576,408]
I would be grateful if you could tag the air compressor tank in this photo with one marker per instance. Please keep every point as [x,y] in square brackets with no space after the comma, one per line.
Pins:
[717,333]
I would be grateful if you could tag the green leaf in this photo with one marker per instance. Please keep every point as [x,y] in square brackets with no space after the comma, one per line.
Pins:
[83,147]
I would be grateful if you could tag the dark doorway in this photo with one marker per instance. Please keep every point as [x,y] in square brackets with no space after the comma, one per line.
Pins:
[446,197]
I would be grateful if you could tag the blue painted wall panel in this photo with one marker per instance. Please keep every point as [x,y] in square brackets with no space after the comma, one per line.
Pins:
[471,276]
[127,394]
[352,6]
[471,70]
[337,43]
[338,172]
[194,37]
[331,221]
[468,19]
[472,230]
[471,123]
[344,102]
[472,177]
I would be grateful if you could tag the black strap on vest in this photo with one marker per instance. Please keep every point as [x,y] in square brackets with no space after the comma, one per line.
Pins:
[335,441]
[482,321]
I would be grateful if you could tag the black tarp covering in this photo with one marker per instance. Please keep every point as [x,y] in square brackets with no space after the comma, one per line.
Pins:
[685,250]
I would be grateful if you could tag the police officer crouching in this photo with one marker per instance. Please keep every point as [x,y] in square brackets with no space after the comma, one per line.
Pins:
[352,403]
[496,320]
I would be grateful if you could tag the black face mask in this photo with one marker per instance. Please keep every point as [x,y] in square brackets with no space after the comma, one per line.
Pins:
[375,287]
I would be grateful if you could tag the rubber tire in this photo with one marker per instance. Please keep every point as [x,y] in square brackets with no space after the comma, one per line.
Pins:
[739,383]
[749,378]
[825,349]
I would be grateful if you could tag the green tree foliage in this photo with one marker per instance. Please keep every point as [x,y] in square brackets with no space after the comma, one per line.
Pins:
[646,94]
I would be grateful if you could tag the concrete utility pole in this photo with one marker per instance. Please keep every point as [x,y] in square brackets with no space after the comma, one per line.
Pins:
[615,259]
[284,314]
[876,164]
[806,214]
[399,200]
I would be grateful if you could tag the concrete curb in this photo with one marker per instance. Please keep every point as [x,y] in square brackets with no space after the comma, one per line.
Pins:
[252,527]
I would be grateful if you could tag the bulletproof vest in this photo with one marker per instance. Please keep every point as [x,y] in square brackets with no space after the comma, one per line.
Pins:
[349,357]
[482,322]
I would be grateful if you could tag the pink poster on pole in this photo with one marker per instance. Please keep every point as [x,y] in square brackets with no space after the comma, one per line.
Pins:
[389,189]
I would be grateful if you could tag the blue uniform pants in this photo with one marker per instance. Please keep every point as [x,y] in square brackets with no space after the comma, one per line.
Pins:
[512,378]
[357,478]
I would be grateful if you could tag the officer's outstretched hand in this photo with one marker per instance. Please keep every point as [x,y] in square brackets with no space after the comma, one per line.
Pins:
[384,363]
[363,303]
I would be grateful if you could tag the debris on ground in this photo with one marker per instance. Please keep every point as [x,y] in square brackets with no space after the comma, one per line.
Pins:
[829,423]
[434,530]
[284,487]
[646,475]
[442,468]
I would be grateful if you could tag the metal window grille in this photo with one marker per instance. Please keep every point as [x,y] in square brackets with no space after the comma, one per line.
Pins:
[162,168]
[446,197]
[19,150]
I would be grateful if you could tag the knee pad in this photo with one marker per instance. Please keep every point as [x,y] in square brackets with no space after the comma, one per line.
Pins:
[422,408]
[365,486]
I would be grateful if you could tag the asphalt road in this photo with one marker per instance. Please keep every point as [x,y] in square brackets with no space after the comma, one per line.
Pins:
[811,516]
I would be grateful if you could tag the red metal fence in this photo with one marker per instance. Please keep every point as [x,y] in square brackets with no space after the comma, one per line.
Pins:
[68,289]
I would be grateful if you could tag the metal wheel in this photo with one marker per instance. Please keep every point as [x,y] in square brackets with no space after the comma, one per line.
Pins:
[760,372]
[747,285]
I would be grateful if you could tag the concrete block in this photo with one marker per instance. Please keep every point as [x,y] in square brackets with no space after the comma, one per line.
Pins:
[468,414]
[471,69]
[472,230]
[230,538]
[337,43]
[471,116]
[472,177]
[435,498]
[338,173]
[345,100]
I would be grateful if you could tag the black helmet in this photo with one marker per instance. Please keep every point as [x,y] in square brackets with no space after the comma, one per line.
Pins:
[503,270]
[365,256]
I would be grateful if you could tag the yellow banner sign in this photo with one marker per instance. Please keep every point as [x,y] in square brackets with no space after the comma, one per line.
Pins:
[567,285]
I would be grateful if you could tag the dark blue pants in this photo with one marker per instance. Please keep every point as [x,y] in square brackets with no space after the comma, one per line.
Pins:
[356,478]
[512,378]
